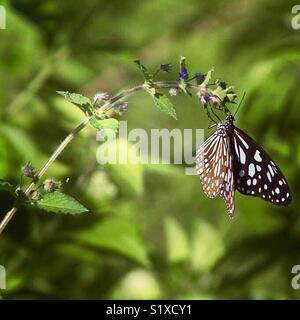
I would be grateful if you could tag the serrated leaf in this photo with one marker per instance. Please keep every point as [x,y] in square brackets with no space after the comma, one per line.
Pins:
[84,103]
[112,124]
[164,104]
[117,234]
[147,75]
[220,93]
[59,202]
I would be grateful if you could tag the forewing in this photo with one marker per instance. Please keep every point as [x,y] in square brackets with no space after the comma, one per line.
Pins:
[255,172]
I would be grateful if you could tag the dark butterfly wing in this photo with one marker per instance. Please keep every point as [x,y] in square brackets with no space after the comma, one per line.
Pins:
[214,166]
[255,172]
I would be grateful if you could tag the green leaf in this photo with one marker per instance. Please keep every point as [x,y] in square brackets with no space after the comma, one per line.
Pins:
[111,123]
[138,284]
[147,75]
[60,203]
[177,241]
[207,79]
[84,103]
[4,159]
[207,246]
[164,104]
[161,101]
[125,173]
[19,140]
[24,147]
[117,234]
[220,93]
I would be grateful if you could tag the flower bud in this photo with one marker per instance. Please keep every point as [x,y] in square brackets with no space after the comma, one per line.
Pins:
[200,77]
[121,107]
[28,170]
[167,67]
[36,195]
[98,97]
[173,92]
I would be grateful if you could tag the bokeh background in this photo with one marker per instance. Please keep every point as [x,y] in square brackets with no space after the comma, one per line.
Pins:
[150,233]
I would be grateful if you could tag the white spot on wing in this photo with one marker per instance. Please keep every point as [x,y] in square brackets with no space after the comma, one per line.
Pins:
[257,156]
[243,156]
[251,170]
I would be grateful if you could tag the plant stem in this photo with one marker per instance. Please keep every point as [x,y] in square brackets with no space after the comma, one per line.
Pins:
[106,107]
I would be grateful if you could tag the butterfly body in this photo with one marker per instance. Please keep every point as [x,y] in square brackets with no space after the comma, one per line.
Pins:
[230,160]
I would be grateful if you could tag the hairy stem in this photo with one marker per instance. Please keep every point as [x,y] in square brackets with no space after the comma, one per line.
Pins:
[106,107]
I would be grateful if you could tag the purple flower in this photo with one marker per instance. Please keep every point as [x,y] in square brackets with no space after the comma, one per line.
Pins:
[205,97]
[183,74]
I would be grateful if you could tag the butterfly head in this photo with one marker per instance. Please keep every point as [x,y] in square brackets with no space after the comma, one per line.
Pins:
[230,119]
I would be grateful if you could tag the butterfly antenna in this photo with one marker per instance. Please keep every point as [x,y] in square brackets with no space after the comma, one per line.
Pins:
[212,125]
[244,94]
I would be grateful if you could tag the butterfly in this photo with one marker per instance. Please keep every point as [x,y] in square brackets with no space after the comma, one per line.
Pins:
[229,159]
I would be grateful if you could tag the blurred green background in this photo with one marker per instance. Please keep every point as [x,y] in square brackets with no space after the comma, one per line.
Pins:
[151,232]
